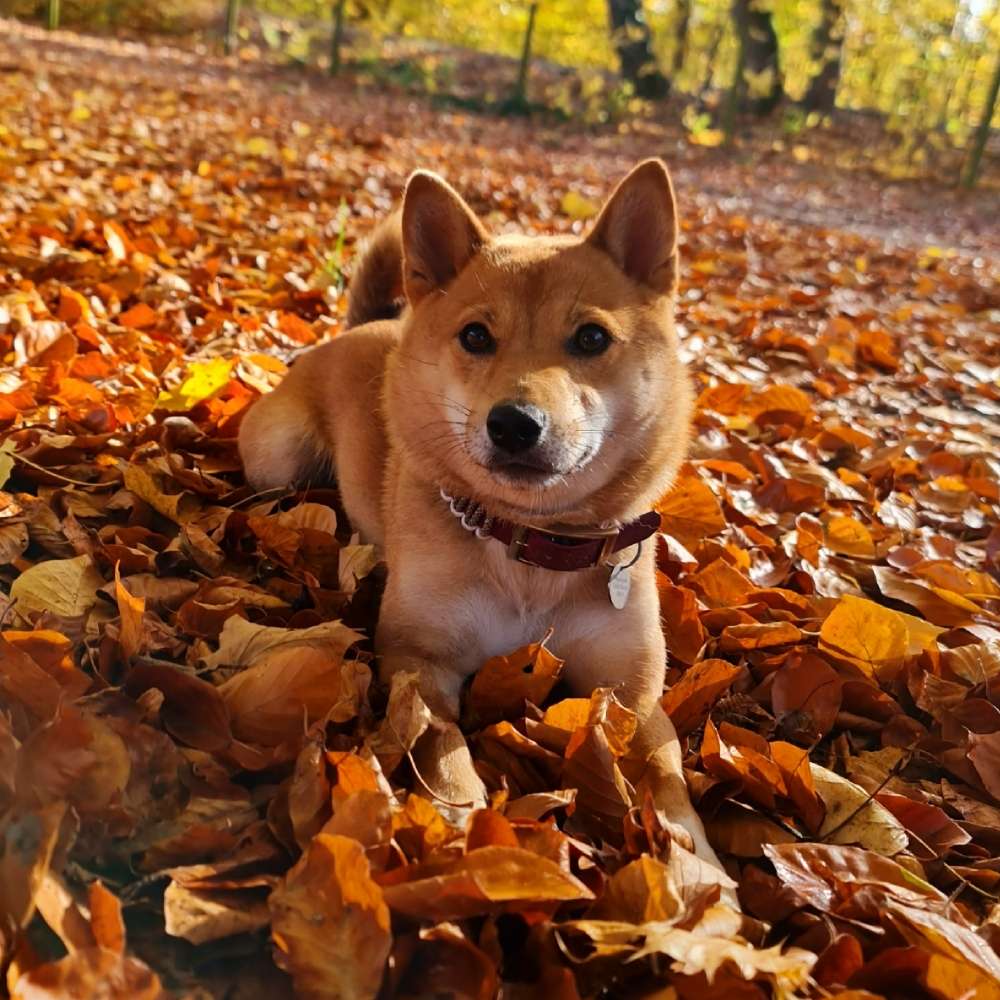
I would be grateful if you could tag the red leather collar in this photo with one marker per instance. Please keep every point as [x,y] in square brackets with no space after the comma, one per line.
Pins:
[538,547]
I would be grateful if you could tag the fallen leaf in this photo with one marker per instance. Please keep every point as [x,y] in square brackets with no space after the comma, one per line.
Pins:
[330,923]
[854,817]
[65,587]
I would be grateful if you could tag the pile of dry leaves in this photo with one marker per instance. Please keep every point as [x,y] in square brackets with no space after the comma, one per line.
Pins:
[202,784]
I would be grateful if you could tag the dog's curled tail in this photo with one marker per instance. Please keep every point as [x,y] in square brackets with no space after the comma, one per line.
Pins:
[376,290]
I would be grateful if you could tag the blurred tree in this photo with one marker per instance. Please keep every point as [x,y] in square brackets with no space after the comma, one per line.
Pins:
[52,15]
[982,132]
[633,42]
[760,73]
[232,23]
[827,50]
[681,35]
[337,37]
[521,88]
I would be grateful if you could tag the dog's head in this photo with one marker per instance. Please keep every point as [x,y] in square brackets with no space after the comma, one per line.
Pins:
[540,375]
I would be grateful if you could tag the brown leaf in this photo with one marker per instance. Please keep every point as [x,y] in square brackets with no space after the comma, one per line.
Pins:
[504,683]
[487,880]
[689,701]
[200,917]
[806,695]
[984,753]
[294,683]
[933,832]
[330,923]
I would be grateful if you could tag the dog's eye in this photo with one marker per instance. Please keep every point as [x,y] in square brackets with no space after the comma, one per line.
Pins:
[476,339]
[589,340]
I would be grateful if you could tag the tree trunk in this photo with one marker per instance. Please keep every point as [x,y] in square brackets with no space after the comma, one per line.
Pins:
[521,89]
[52,15]
[759,44]
[983,132]
[827,48]
[337,39]
[680,35]
[633,42]
[232,23]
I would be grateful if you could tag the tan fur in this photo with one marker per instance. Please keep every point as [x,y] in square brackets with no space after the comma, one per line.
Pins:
[399,410]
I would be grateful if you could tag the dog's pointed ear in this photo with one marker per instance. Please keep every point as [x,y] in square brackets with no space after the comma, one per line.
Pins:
[638,227]
[440,234]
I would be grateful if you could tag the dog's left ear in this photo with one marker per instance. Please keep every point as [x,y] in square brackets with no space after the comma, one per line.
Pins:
[638,227]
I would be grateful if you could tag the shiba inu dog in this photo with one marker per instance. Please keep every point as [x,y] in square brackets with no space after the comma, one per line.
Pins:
[504,438]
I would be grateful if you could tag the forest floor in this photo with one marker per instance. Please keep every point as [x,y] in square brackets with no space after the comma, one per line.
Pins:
[201,783]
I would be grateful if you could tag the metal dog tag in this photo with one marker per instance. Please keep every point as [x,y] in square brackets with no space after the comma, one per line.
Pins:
[619,584]
[620,581]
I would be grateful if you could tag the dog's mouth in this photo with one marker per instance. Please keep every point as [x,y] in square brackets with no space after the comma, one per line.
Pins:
[533,470]
[526,468]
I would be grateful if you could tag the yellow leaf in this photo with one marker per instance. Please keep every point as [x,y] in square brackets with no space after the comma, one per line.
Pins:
[66,587]
[850,537]
[205,379]
[707,137]
[295,677]
[576,206]
[146,484]
[258,146]
[854,817]
[873,638]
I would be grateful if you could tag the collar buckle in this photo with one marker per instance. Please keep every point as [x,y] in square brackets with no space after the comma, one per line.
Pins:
[608,536]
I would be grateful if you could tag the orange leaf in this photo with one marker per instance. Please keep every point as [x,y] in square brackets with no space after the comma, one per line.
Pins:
[690,511]
[139,317]
[504,683]
[131,609]
[330,923]
[488,880]
[106,918]
[90,972]
[720,585]
[690,700]
[740,637]
[679,608]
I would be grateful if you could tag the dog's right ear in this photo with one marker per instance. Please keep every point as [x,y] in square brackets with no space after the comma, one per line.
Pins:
[440,234]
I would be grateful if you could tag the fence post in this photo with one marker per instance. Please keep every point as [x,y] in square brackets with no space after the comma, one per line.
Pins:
[52,15]
[521,90]
[232,23]
[982,132]
[338,36]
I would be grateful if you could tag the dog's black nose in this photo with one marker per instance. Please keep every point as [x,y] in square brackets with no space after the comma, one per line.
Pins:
[515,427]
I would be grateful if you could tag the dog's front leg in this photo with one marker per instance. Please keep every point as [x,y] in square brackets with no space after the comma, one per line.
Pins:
[441,757]
[625,650]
